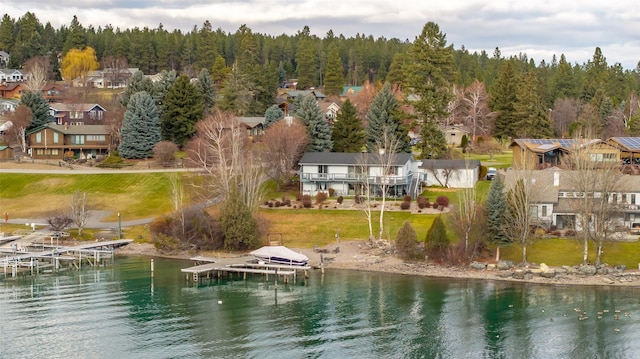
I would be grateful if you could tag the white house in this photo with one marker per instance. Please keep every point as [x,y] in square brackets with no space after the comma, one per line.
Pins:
[451,173]
[347,173]
[12,75]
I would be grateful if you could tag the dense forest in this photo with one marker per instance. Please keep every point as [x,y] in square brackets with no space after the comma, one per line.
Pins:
[557,96]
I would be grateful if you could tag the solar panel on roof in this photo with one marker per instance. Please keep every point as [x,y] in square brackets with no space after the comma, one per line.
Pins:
[633,143]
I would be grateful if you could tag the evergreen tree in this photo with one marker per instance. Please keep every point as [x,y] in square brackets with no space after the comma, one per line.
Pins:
[407,242]
[334,77]
[39,108]
[271,115]
[140,127]
[348,133]
[396,75]
[384,115]
[496,211]
[161,87]
[7,33]
[595,75]
[503,98]
[564,84]
[76,38]
[306,61]
[219,71]
[182,108]
[434,143]
[205,85]
[436,243]
[319,131]
[532,117]
[239,228]
[429,73]
[137,83]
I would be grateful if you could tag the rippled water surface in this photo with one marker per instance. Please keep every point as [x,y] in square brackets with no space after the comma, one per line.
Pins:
[121,311]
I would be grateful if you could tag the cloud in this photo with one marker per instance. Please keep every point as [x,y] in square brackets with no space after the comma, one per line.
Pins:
[539,28]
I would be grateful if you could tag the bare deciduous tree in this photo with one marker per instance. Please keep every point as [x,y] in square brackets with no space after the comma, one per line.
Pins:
[565,111]
[39,69]
[164,152]
[466,213]
[115,71]
[58,222]
[478,115]
[283,146]
[442,175]
[222,149]
[594,177]
[79,210]
[20,122]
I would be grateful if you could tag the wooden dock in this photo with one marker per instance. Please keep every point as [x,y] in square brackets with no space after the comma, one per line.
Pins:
[42,256]
[213,269]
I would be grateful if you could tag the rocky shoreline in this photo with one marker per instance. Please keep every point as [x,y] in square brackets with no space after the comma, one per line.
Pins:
[358,255]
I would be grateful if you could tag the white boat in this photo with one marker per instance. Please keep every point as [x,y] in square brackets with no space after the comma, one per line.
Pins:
[280,255]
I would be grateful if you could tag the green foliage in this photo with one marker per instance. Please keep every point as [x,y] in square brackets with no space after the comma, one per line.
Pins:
[239,228]
[434,143]
[271,115]
[112,161]
[334,77]
[407,243]
[348,133]
[317,126]
[532,117]
[384,115]
[306,61]
[182,109]
[496,211]
[137,83]
[140,127]
[503,98]
[166,244]
[39,108]
[436,243]
[429,73]
[205,86]
[464,142]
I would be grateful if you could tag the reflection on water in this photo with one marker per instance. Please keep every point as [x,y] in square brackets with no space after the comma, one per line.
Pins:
[122,311]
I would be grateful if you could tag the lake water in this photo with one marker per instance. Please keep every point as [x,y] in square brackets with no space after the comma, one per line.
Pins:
[120,311]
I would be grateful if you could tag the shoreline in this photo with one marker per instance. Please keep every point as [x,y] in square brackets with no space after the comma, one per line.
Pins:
[356,255]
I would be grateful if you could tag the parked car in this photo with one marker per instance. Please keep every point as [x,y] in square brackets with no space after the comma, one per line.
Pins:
[491,173]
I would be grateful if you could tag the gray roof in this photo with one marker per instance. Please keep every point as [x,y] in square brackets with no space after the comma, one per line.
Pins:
[74,129]
[251,121]
[449,164]
[349,158]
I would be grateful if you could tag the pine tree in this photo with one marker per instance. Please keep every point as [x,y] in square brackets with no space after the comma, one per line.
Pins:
[334,77]
[407,242]
[39,108]
[76,38]
[384,115]
[436,242]
[532,117]
[319,131]
[430,72]
[205,85]
[503,98]
[496,211]
[160,88]
[140,127]
[306,61]
[348,133]
[182,109]
[239,228]
[564,84]
[219,71]
[271,115]
[434,143]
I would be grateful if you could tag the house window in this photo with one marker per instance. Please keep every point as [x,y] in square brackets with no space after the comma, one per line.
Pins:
[77,139]
[95,138]
[544,211]
[624,198]
[323,169]
[633,198]
[56,137]
[59,121]
[39,137]
[393,171]
[533,211]
[76,114]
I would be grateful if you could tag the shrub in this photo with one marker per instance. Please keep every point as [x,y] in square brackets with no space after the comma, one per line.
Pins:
[436,243]
[200,231]
[435,205]
[340,199]
[278,204]
[482,174]
[569,233]
[113,161]
[406,198]
[166,244]
[270,204]
[407,243]
[405,205]
[422,202]
[556,233]
[358,199]
[331,192]
[306,201]
[443,201]
[321,197]
[299,196]
[164,152]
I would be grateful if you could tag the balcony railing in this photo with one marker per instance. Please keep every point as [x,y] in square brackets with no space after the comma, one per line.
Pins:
[352,177]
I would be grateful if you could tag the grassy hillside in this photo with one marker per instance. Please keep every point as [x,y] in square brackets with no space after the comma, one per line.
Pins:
[137,195]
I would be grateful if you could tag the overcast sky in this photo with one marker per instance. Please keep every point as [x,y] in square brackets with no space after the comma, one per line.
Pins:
[538,28]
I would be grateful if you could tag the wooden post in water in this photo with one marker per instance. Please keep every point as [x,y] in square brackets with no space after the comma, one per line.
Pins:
[276,275]
[152,267]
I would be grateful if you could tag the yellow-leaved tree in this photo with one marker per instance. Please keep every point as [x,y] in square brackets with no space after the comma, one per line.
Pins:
[77,63]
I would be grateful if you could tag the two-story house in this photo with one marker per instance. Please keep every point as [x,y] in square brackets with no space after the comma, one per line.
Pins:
[544,153]
[77,113]
[12,75]
[52,141]
[347,173]
[11,90]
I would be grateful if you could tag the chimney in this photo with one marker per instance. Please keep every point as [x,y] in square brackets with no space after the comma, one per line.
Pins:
[556,179]
[66,126]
